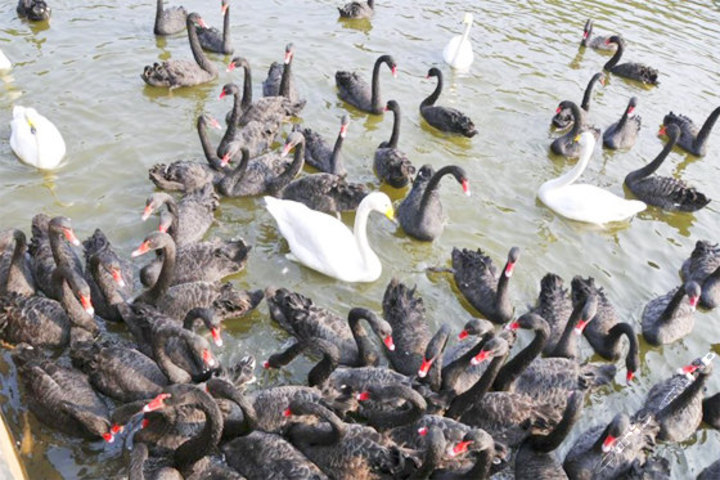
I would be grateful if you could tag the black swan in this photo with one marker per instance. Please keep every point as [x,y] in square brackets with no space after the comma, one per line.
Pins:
[279,81]
[255,135]
[35,10]
[110,278]
[482,285]
[43,322]
[118,371]
[267,174]
[345,450]
[392,165]
[393,396]
[563,116]
[297,315]
[318,153]
[703,266]
[355,91]
[50,248]
[210,37]
[445,119]
[459,372]
[711,411]
[548,380]
[611,452]
[566,145]
[692,139]
[534,458]
[15,270]
[676,403]
[405,312]
[633,71]
[357,9]
[598,42]
[581,315]
[668,318]
[623,133]
[192,216]
[61,397]
[177,300]
[264,109]
[183,72]
[667,193]
[325,192]
[138,470]
[421,214]
[604,331]
[188,175]
[170,21]
[555,306]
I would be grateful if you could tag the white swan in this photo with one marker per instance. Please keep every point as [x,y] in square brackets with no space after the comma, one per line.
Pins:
[35,140]
[582,202]
[458,52]
[323,243]
[4,62]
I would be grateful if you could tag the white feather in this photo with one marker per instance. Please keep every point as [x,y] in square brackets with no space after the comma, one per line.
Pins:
[458,52]
[35,140]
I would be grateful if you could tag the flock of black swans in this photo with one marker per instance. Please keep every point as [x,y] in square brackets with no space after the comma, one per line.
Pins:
[388,397]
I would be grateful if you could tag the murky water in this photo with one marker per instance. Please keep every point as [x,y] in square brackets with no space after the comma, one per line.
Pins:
[82,72]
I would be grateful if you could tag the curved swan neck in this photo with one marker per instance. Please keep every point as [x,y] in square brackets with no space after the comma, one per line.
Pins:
[383,419]
[158,14]
[655,164]
[566,347]
[572,175]
[672,306]
[452,371]
[202,444]
[577,120]
[616,57]
[430,100]
[433,183]
[550,441]
[375,86]
[585,105]
[395,136]
[293,169]
[366,352]
[166,272]
[515,367]
[329,362]
[706,128]
[466,400]
[172,371]
[360,233]
[209,152]
[623,119]
[197,50]
[613,337]
[237,174]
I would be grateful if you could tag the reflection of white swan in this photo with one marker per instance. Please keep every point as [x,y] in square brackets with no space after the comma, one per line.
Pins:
[323,243]
[458,52]
[4,62]
[35,140]
[582,202]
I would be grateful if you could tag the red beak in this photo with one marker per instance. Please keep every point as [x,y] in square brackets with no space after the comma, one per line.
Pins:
[581,326]
[143,248]
[266,364]
[460,448]
[117,276]
[87,305]
[388,341]
[115,429]
[146,212]
[466,186]
[225,160]
[424,368]
[512,326]
[509,269]
[222,93]
[343,129]
[215,332]
[394,71]
[362,396]
[224,8]
[288,56]
[609,441]
[231,66]
[463,335]
[422,431]
[286,149]
[215,124]
[208,358]
[629,376]
[558,110]
[108,437]
[70,236]
[156,403]
[287,412]
[631,110]
[480,357]
[693,301]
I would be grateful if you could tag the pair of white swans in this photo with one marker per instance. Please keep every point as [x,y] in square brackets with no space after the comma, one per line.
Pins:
[583,202]
[35,140]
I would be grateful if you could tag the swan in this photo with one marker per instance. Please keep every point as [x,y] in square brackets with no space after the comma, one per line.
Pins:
[445,119]
[691,139]
[36,10]
[279,81]
[183,73]
[5,63]
[170,21]
[35,140]
[668,318]
[703,266]
[357,9]
[634,71]
[325,244]
[318,153]
[211,39]
[458,51]
[566,145]
[623,133]
[50,249]
[563,117]
[391,164]
[583,202]
[15,269]
[355,91]
[668,193]
[598,42]
[109,277]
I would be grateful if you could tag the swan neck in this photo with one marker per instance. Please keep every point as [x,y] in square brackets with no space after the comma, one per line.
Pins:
[366,352]
[395,136]
[390,419]
[158,13]
[655,164]
[616,57]
[432,185]
[466,400]
[247,87]
[210,155]
[566,347]
[202,444]
[577,121]
[585,105]
[515,367]
[672,306]
[326,366]
[166,273]
[197,50]
[453,370]
[335,157]
[706,128]
[360,234]
[137,459]
[237,174]
[552,440]
[15,272]
[430,100]
[285,79]
[572,175]
[172,371]
[226,30]
[292,170]
[375,86]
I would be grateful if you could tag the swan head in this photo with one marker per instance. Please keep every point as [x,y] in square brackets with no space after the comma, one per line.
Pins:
[434,72]
[693,290]
[586,141]
[294,139]
[225,4]
[477,327]
[237,62]
[632,104]
[289,52]
[344,122]
[495,347]
[195,18]
[672,131]
[468,18]
[229,88]
[616,39]
[379,202]
[588,313]
[617,427]
[153,241]
[587,29]
[513,257]
[63,225]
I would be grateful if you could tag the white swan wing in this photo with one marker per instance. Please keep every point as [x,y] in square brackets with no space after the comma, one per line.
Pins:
[588,203]
[317,240]
[35,140]
[458,53]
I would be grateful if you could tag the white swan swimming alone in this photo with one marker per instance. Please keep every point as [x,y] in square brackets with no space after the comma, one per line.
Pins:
[325,244]
[35,140]
[5,63]
[583,202]
[458,51]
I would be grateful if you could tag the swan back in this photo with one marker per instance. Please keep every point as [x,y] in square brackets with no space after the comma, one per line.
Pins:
[458,51]
[35,140]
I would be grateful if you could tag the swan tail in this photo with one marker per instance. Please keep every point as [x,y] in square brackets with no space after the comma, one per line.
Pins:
[551,288]
[233,303]
[96,243]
